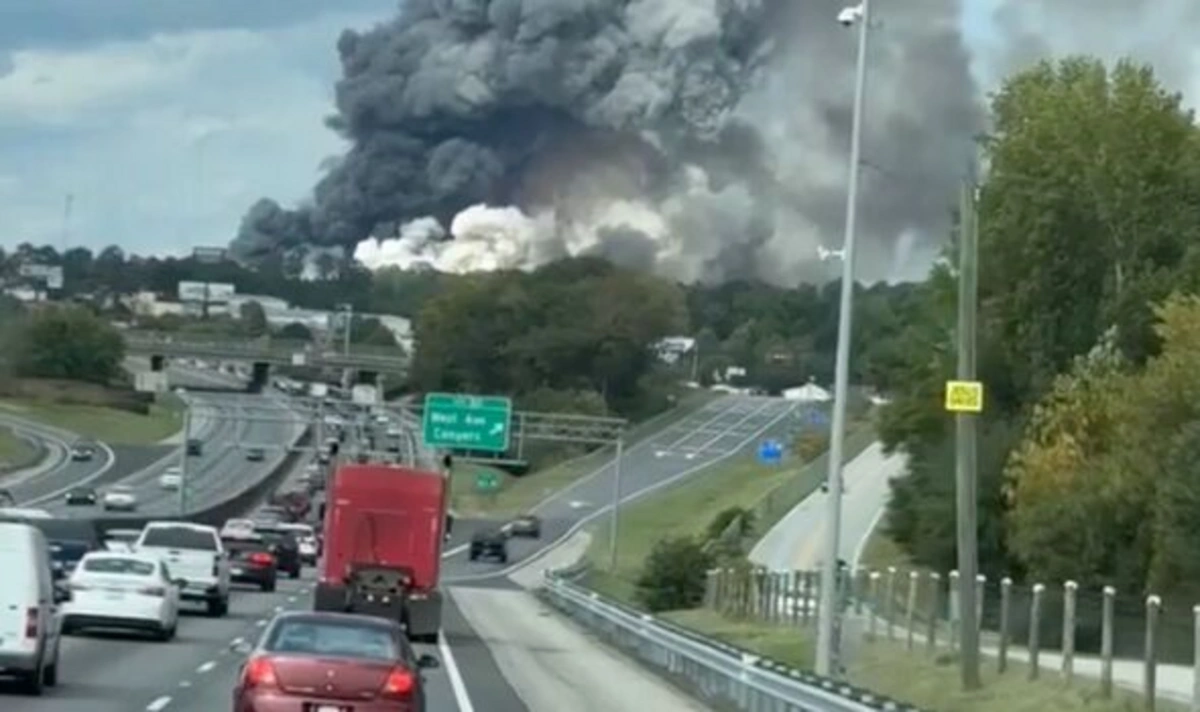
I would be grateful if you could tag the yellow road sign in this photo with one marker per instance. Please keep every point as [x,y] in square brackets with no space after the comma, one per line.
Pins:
[964,396]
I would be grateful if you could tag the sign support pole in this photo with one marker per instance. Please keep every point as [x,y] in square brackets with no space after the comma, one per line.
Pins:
[184,479]
[615,514]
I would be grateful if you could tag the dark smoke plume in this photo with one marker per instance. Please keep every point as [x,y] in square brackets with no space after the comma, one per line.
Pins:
[706,139]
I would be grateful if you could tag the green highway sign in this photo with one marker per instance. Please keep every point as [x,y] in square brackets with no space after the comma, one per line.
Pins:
[486,481]
[468,422]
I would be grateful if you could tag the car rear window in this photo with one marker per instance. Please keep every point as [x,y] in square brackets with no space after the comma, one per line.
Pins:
[127,567]
[316,637]
[179,538]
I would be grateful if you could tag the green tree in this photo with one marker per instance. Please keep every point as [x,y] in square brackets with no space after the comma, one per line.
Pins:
[69,342]
[1087,215]
[254,318]
[296,331]
[674,574]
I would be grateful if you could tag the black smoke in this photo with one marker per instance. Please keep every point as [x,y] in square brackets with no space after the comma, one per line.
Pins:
[570,103]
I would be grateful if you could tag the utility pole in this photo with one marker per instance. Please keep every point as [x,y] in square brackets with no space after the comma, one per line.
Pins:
[695,359]
[349,309]
[965,431]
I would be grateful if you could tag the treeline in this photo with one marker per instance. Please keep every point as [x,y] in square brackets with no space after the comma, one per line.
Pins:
[576,333]
[61,342]
[1089,223]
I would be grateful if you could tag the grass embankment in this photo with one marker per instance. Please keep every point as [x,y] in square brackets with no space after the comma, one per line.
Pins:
[91,418]
[932,683]
[518,494]
[15,452]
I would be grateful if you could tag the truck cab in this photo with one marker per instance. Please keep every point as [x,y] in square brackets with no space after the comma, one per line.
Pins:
[384,529]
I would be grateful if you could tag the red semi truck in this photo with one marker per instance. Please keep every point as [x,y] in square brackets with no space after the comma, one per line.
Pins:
[384,528]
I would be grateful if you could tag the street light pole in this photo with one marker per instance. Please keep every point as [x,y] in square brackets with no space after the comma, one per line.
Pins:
[828,606]
[349,309]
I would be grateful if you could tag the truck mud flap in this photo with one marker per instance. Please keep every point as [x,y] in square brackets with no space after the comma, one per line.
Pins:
[424,618]
[330,597]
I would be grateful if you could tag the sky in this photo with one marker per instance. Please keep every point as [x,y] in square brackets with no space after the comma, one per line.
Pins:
[160,121]
[163,120]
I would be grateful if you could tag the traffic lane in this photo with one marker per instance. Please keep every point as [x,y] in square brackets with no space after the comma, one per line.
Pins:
[457,566]
[54,483]
[114,673]
[129,461]
[797,541]
[216,691]
[555,665]
[644,470]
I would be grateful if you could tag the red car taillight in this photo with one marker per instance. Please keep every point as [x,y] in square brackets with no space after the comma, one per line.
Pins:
[31,623]
[259,672]
[400,683]
[261,559]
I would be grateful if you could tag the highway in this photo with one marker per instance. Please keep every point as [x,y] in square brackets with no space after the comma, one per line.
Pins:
[727,426]
[195,673]
[796,542]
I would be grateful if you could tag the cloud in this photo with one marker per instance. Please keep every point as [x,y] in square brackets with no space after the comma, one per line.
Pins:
[164,139]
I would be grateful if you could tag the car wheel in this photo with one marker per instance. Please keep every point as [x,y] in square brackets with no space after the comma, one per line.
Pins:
[294,573]
[268,587]
[217,607]
[35,682]
[50,674]
[166,633]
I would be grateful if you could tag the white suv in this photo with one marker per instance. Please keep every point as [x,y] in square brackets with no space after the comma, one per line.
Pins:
[192,552]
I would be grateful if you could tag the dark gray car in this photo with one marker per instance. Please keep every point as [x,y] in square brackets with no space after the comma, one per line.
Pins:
[489,544]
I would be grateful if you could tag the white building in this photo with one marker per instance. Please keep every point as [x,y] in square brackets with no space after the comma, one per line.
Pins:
[808,393]
[672,348]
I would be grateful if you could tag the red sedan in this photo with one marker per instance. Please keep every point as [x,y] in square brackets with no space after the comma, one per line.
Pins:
[332,662]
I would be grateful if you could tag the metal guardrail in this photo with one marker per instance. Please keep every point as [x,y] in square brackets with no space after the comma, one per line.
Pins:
[280,351]
[718,673]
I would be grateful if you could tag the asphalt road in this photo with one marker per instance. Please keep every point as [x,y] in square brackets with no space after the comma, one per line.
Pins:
[227,424]
[797,541]
[195,673]
[728,426]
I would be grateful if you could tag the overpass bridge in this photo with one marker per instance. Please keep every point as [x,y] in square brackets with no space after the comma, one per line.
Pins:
[264,352]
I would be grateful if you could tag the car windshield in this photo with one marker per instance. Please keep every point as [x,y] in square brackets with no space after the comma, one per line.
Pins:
[308,636]
[179,538]
[125,567]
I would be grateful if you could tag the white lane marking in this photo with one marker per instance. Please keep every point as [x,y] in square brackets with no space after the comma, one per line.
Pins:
[159,704]
[206,667]
[186,684]
[236,642]
[278,609]
[260,622]
[862,543]
[456,679]
[291,599]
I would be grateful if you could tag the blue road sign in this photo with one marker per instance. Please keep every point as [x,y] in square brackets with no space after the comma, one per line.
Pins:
[770,452]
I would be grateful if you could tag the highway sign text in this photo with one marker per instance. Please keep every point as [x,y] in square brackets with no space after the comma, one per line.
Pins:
[469,422]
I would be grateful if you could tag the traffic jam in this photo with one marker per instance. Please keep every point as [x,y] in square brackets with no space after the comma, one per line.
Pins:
[376,552]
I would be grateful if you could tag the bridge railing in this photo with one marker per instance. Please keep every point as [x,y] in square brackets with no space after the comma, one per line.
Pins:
[175,342]
[715,672]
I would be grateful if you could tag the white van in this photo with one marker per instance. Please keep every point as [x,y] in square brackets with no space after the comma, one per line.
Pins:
[29,618]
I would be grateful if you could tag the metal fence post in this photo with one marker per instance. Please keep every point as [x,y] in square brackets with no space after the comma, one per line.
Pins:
[954,612]
[1153,608]
[910,613]
[890,603]
[1196,658]
[1106,643]
[1005,604]
[1035,625]
[935,610]
[1068,632]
